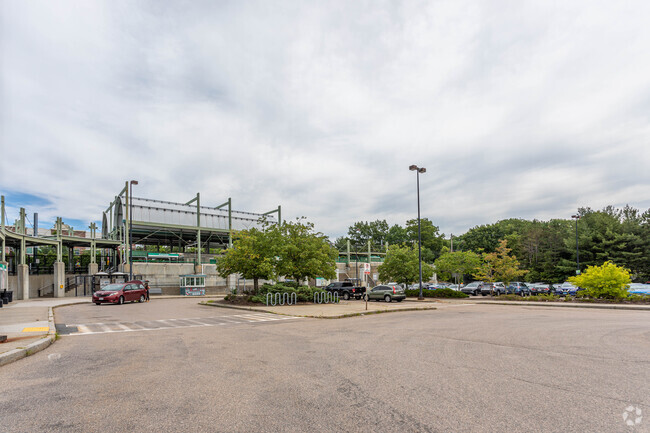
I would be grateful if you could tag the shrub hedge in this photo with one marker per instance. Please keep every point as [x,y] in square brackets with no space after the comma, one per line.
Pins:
[438,293]
[303,293]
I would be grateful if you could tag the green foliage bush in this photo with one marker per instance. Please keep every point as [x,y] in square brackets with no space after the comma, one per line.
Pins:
[438,293]
[641,299]
[581,296]
[303,293]
[604,282]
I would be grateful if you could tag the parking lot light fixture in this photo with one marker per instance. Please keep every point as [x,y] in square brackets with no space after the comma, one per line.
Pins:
[419,170]
[131,183]
[577,217]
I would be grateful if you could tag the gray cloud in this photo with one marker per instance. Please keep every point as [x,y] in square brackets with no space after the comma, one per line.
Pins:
[517,110]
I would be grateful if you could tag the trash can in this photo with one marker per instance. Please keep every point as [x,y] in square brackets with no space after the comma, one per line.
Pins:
[7,296]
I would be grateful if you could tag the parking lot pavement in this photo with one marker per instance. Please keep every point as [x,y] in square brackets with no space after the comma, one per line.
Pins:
[70,329]
[465,368]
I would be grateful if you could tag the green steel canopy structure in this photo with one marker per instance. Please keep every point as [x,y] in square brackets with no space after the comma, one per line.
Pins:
[176,224]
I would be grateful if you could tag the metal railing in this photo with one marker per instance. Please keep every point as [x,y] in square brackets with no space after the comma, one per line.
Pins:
[326,298]
[278,298]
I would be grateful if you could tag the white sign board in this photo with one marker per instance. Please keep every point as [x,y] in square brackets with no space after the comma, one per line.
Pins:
[4,278]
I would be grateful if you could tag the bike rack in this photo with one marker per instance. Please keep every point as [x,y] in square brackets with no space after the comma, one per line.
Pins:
[326,298]
[278,298]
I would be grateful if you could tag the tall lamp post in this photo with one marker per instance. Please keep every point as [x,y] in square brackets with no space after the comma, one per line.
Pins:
[577,217]
[419,170]
[131,183]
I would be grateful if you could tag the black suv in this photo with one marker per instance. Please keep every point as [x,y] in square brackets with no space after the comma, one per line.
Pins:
[472,288]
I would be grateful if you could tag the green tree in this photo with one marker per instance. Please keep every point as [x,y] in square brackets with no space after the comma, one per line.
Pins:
[606,281]
[252,255]
[482,238]
[304,253]
[401,265]
[500,266]
[397,235]
[363,231]
[341,244]
[459,262]
[432,239]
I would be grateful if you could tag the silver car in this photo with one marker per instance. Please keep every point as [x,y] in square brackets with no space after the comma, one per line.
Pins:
[387,292]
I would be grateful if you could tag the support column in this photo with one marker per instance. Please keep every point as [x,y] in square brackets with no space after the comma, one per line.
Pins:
[59,279]
[348,252]
[2,229]
[229,222]
[369,251]
[93,268]
[23,281]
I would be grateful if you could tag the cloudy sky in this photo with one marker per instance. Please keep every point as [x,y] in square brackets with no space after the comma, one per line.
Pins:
[524,109]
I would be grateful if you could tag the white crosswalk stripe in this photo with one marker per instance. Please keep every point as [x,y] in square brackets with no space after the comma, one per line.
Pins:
[160,324]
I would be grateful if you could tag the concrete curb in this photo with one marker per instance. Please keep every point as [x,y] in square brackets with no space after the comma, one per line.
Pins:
[341,316]
[633,307]
[234,307]
[32,348]
[567,305]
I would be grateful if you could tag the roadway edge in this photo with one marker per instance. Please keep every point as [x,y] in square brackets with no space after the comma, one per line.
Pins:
[341,316]
[32,348]
[38,345]
[566,305]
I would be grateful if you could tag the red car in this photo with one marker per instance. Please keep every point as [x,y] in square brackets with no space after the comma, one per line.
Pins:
[120,293]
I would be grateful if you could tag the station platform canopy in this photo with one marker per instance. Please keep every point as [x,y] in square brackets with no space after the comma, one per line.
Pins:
[190,224]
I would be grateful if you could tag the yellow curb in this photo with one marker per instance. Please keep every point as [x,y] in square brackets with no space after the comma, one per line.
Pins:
[37,329]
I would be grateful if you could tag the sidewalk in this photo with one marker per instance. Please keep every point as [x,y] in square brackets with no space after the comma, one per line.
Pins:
[28,326]
[335,311]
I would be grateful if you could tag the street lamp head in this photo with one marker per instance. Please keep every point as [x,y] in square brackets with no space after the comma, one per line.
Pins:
[575,217]
[422,170]
[134,182]
[413,167]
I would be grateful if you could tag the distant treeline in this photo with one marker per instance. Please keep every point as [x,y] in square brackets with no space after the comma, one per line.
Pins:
[547,249]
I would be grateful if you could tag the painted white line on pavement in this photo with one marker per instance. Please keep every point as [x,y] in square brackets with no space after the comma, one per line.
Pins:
[169,324]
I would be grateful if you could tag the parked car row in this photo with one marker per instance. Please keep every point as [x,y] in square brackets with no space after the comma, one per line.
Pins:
[395,292]
[517,288]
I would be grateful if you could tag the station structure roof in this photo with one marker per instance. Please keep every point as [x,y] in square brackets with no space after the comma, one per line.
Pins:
[159,222]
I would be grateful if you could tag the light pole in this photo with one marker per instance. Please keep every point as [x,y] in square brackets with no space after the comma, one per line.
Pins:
[131,183]
[577,217]
[419,170]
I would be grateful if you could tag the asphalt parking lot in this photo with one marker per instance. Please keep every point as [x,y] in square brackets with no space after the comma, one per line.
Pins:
[468,368]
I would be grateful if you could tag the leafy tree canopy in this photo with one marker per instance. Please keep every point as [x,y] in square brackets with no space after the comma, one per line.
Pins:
[252,255]
[500,266]
[459,262]
[401,265]
[432,239]
[304,253]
